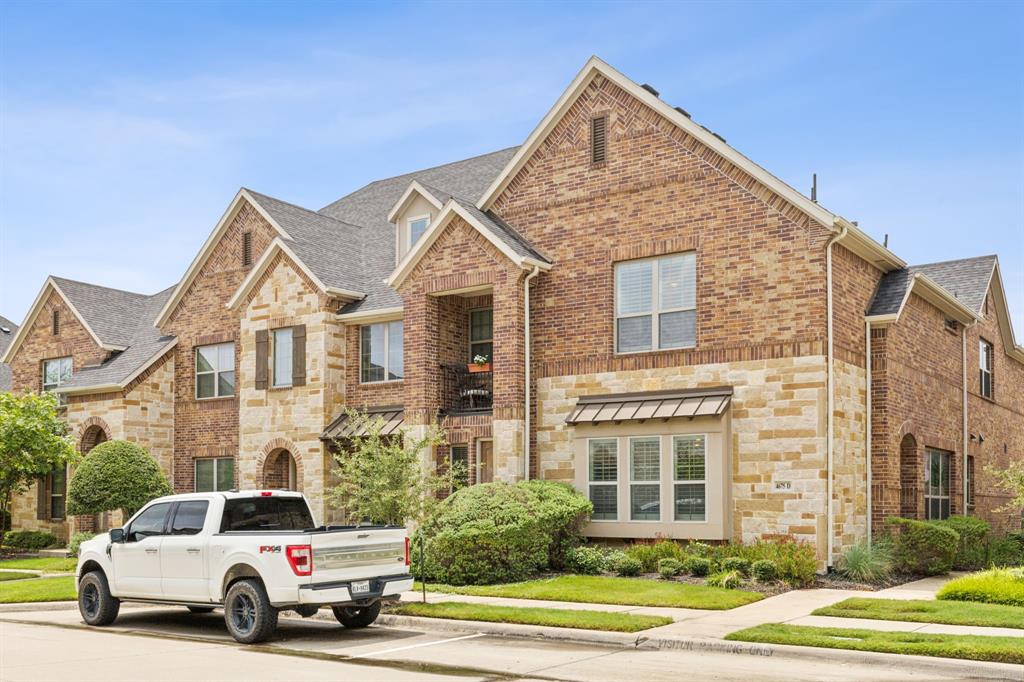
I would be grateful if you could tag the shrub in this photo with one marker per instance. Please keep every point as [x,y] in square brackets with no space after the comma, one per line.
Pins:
[921,547]
[628,566]
[76,541]
[699,566]
[1006,551]
[669,568]
[973,532]
[727,579]
[649,554]
[737,563]
[507,521]
[31,540]
[764,570]
[796,562]
[585,560]
[116,475]
[995,586]
[701,549]
[867,563]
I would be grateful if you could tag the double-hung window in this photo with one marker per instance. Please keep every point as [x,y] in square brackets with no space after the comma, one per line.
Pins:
[282,357]
[381,352]
[417,227]
[985,368]
[215,370]
[645,478]
[603,478]
[656,303]
[55,373]
[58,491]
[689,466]
[936,484]
[481,334]
[215,474]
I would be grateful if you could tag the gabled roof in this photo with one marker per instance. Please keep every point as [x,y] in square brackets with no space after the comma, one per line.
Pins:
[965,281]
[435,197]
[852,237]
[500,234]
[7,331]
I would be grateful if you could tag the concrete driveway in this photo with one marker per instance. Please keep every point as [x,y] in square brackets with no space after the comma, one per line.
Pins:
[170,644]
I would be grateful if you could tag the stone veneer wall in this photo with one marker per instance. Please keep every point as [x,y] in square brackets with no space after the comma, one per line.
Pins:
[778,435]
[291,418]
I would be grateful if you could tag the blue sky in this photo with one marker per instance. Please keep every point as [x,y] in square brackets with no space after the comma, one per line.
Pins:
[125,129]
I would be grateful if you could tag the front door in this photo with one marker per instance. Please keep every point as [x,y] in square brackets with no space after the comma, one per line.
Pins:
[183,554]
[484,460]
[137,560]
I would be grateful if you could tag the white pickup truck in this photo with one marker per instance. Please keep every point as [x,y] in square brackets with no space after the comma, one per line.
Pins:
[252,553]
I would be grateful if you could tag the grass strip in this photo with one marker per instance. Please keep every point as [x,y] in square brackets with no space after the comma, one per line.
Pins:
[969,647]
[15,575]
[596,589]
[995,586]
[928,611]
[558,618]
[58,588]
[47,563]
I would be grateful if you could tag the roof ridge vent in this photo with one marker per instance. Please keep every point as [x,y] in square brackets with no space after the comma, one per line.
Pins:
[682,111]
[650,88]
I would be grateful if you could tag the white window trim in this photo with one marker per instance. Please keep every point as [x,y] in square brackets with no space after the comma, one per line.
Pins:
[659,482]
[408,228]
[48,388]
[617,483]
[387,353]
[273,359]
[216,465]
[948,456]
[984,346]
[470,333]
[704,481]
[216,382]
[655,312]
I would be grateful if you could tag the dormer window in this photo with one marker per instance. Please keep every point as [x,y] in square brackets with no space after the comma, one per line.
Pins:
[417,226]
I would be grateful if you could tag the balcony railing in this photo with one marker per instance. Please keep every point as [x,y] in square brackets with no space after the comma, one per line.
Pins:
[465,392]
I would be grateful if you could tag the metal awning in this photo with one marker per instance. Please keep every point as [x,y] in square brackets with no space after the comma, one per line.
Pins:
[600,409]
[342,426]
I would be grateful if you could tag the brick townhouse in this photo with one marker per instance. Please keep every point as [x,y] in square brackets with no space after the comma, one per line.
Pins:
[624,303]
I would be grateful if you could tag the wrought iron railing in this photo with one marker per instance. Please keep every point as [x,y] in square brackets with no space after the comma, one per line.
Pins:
[463,391]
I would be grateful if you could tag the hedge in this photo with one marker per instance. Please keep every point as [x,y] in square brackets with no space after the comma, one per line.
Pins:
[922,547]
[971,550]
[31,540]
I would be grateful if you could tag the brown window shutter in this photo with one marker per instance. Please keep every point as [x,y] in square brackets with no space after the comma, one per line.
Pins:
[598,139]
[262,358]
[43,499]
[299,355]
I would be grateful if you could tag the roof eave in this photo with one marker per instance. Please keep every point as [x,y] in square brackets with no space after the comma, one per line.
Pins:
[363,317]
[860,243]
[403,201]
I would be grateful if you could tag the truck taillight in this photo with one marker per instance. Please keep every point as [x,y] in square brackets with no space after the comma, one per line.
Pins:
[300,558]
[406,550]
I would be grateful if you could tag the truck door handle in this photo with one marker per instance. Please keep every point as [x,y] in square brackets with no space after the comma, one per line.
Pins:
[151,550]
[192,550]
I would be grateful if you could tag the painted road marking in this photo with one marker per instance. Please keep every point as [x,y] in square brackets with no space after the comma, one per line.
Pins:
[421,644]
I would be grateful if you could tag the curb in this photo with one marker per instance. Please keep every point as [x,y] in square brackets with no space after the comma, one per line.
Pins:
[38,606]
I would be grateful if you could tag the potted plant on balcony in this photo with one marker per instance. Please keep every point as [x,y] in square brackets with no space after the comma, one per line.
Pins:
[480,364]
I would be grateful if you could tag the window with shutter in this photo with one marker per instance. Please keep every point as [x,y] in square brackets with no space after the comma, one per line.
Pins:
[299,355]
[262,358]
[598,139]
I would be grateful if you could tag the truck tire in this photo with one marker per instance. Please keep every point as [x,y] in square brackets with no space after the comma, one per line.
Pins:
[357,616]
[95,603]
[200,609]
[248,614]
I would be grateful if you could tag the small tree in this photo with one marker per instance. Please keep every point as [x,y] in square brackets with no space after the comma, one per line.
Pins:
[116,475]
[382,478]
[1010,479]
[34,441]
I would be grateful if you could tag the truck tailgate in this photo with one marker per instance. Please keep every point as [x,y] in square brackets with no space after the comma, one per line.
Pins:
[355,554]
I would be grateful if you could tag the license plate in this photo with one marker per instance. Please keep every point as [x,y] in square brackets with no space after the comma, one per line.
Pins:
[360,587]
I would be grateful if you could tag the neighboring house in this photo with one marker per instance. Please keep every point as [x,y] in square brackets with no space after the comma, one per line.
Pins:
[7,331]
[699,348]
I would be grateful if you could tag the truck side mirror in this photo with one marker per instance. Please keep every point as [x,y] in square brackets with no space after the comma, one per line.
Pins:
[117,534]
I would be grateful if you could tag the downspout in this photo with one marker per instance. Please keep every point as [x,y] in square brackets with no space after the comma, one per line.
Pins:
[526,328]
[963,364]
[867,419]
[830,383]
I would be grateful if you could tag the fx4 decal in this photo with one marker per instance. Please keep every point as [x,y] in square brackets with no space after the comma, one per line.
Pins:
[273,549]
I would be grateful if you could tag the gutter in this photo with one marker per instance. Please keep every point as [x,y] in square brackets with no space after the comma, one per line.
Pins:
[526,327]
[830,382]
[966,437]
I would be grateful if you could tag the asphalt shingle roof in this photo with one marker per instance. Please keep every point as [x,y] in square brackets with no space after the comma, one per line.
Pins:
[965,279]
[503,231]
[111,313]
[7,331]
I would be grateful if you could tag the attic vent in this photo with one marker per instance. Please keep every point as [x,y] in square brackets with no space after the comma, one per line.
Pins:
[5,330]
[649,88]
[599,139]
[684,112]
[952,325]
[246,249]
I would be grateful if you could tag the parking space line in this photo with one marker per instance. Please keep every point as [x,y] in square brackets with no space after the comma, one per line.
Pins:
[417,646]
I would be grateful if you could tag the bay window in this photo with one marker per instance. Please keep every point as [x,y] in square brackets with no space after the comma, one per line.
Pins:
[603,478]
[656,303]
[689,464]
[645,479]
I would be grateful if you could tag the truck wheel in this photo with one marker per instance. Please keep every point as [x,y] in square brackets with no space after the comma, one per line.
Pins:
[247,612]
[200,609]
[95,603]
[357,616]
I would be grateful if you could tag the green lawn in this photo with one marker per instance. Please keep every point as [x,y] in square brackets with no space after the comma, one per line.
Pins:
[15,575]
[921,611]
[60,588]
[607,590]
[970,647]
[48,563]
[559,618]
